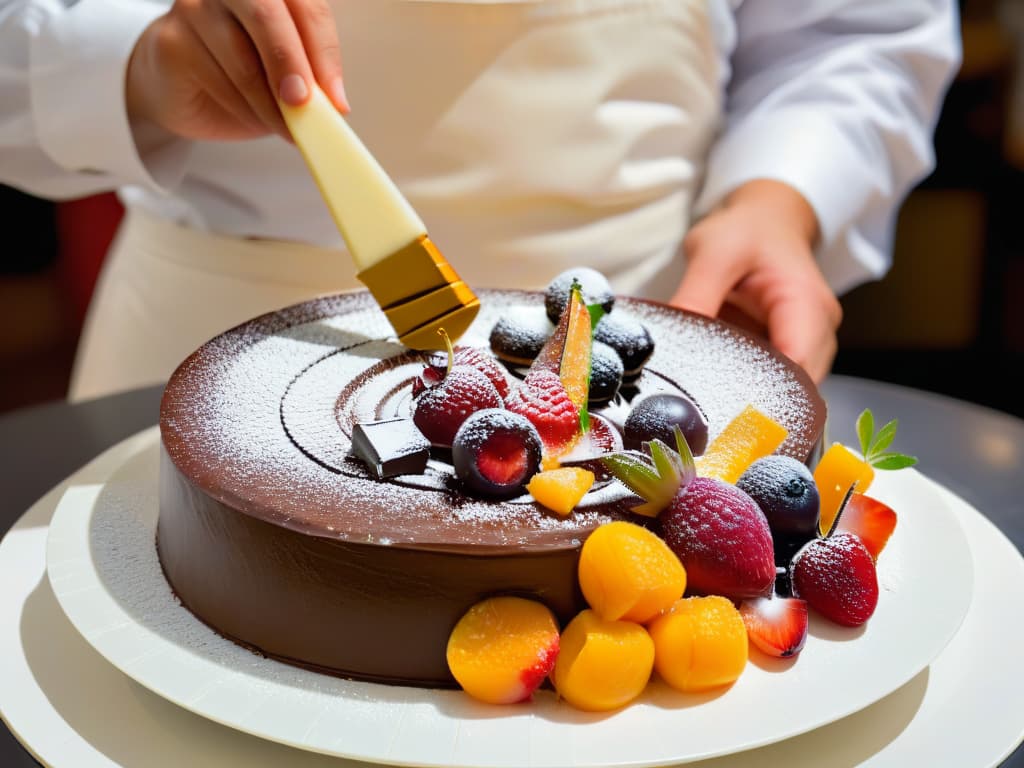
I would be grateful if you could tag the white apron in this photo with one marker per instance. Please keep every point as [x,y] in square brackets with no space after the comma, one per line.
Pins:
[549,133]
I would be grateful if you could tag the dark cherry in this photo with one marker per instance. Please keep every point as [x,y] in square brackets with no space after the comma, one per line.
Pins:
[496,452]
[656,415]
[785,490]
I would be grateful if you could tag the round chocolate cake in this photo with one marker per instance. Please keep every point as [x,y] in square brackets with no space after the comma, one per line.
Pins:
[272,533]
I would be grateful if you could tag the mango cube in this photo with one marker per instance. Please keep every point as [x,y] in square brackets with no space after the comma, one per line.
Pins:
[603,664]
[838,469]
[700,643]
[626,572]
[560,490]
[503,648]
[745,439]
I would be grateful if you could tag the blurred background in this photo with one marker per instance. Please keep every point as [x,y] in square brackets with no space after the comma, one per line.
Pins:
[949,317]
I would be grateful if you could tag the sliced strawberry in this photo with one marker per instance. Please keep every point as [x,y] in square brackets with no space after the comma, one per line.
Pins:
[777,625]
[542,399]
[837,578]
[869,520]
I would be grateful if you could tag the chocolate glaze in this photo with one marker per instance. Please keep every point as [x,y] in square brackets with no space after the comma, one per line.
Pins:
[270,534]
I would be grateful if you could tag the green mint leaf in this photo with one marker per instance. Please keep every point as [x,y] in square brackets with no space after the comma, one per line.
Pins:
[883,439]
[893,461]
[596,312]
[865,430]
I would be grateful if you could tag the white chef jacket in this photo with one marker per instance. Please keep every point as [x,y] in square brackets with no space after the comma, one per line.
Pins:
[855,81]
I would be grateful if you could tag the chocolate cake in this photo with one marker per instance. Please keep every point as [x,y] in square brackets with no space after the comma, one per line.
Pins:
[275,536]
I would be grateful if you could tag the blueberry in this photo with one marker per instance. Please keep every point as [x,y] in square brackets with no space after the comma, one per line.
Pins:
[496,452]
[605,373]
[654,416]
[594,286]
[629,337]
[520,334]
[785,490]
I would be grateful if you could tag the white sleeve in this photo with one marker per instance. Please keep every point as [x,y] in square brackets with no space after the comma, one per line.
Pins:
[839,99]
[64,128]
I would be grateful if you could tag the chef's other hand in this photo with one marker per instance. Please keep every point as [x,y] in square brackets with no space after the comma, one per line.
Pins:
[755,254]
[214,69]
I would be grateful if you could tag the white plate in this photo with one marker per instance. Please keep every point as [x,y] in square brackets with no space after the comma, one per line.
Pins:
[104,572]
[73,710]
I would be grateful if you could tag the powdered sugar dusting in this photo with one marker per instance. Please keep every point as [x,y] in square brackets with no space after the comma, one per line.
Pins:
[227,408]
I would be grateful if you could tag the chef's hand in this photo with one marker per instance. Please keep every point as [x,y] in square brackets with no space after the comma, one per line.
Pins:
[214,69]
[755,254]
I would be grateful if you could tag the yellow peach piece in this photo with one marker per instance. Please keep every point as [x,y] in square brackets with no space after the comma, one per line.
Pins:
[626,572]
[503,648]
[603,664]
[700,643]
[838,469]
[560,490]
[745,439]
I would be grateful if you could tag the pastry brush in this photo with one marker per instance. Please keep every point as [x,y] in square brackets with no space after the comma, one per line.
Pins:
[418,290]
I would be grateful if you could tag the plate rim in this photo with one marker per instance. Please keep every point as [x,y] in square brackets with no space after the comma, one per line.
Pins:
[66,512]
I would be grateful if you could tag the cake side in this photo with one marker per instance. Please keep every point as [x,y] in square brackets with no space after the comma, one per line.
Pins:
[273,536]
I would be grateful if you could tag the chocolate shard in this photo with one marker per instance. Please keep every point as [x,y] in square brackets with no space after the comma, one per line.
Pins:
[391,447]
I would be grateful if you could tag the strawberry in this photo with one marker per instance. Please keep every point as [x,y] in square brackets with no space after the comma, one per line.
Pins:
[542,399]
[439,410]
[722,538]
[837,578]
[869,520]
[777,625]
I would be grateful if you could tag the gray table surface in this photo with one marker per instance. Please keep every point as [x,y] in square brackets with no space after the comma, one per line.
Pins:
[975,452]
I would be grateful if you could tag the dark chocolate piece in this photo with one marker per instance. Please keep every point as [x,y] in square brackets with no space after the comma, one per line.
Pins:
[391,447]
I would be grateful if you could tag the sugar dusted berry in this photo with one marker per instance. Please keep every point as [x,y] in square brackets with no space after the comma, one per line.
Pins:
[495,452]
[542,399]
[503,648]
[785,491]
[630,338]
[440,410]
[595,288]
[605,373]
[722,539]
[837,578]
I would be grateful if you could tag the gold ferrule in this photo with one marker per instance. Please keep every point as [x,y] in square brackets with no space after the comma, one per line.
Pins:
[420,294]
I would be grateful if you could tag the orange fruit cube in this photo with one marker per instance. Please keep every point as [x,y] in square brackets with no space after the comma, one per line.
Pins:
[838,469]
[503,648]
[744,440]
[603,664]
[560,490]
[700,643]
[626,572]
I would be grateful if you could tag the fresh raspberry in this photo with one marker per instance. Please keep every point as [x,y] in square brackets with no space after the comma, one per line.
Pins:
[440,410]
[485,362]
[475,357]
[542,399]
